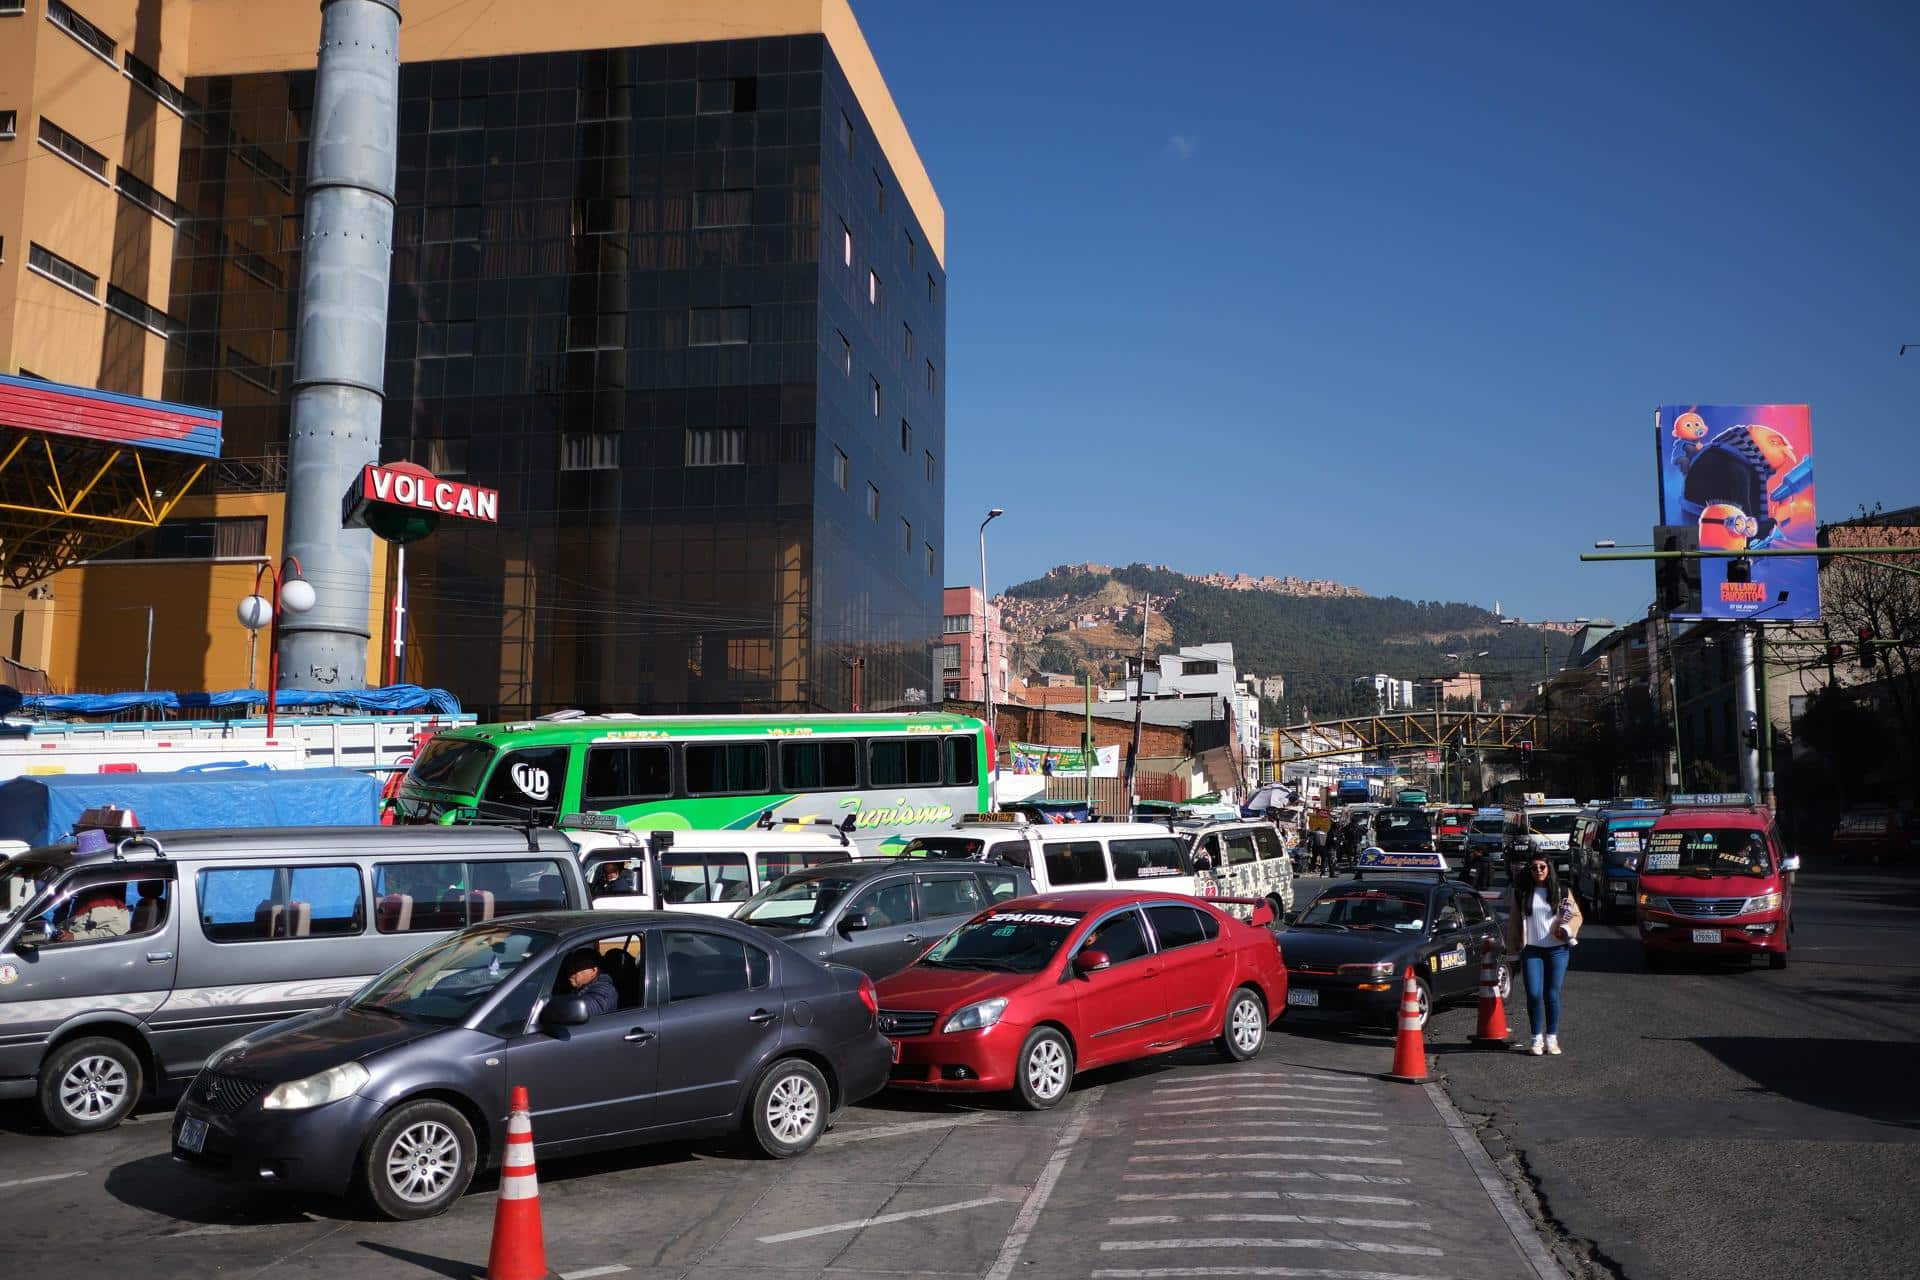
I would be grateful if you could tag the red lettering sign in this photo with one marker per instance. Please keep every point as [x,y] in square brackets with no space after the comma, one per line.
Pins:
[447,497]
[1743,593]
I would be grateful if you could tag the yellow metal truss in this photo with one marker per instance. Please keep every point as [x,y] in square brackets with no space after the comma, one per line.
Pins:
[1489,730]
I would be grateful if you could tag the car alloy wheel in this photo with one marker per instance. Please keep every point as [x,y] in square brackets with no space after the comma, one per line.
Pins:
[793,1108]
[1047,1069]
[93,1088]
[1249,1021]
[423,1161]
[89,1084]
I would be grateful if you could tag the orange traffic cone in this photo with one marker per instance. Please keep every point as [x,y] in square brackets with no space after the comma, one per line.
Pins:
[519,1246]
[1491,1033]
[1409,1047]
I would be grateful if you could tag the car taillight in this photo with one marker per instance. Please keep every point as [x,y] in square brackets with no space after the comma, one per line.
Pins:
[869,996]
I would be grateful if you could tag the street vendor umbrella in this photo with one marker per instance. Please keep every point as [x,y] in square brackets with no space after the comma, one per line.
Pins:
[1271,796]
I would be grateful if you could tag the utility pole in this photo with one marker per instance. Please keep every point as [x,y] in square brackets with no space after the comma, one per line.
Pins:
[340,346]
[1765,718]
[1139,695]
[1746,710]
[1086,739]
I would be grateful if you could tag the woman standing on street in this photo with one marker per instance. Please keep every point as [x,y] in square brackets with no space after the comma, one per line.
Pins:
[1543,926]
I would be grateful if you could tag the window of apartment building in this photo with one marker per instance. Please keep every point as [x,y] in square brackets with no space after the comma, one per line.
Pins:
[840,469]
[933,379]
[716,446]
[931,570]
[222,538]
[846,134]
[69,147]
[458,115]
[584,333]
[906,436]
[141,312]
[906,341]
[1197,667]
[144,195]
[169,93]
[956,624]
[749,659]
[930,466]
[906,536]
[846,353]
[913,250]
[12,8]
[874,394]
[873,287]
[930,286]
[730,208]
[879,192]
[9,124]
[54,267]
[949,657]
[719,97]
[846,244]
[247,369]
[63,16]
[589,451]
[873,503]
[719,326]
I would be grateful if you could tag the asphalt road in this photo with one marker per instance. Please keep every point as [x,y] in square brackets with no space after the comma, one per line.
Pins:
[1716,1121]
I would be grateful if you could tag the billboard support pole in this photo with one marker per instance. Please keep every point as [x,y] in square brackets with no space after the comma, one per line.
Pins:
[1766,715]
[1746,709]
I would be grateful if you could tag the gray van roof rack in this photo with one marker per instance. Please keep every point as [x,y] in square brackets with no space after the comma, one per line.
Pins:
[524,818]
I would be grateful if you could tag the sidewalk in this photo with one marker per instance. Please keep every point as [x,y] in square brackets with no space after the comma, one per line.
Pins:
[1301,1163]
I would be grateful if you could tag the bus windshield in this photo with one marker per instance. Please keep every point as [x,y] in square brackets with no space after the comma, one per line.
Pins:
[452,764]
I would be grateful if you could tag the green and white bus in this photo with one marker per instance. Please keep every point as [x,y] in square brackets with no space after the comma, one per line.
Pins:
[895,775]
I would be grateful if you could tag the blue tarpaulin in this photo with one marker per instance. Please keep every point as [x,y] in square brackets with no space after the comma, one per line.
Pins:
[395,697]
[42,809]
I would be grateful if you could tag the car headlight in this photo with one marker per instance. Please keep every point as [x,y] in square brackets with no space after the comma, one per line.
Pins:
[315,1090]
[977,1017]
[1654,902]
[1765,902]
[1378,969]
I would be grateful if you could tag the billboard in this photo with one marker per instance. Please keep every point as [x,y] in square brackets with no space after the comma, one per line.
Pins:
[1066,761]
[1742,474]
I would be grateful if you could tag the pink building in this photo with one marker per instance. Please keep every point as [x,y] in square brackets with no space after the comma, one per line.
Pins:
[970,620]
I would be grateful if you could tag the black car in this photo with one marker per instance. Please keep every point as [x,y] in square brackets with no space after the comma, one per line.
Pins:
[401,1091]
[879,914]
[1402,829]
[1348,952]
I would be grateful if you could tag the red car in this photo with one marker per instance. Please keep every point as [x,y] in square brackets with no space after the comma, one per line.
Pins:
[1715,880]
[1032,990]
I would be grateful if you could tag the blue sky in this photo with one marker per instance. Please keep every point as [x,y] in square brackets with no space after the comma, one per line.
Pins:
[1388,293]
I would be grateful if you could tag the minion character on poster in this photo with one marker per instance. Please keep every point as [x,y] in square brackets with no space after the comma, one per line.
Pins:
[1743,476]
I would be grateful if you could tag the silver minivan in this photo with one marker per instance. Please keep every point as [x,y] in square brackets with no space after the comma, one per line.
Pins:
[126,959]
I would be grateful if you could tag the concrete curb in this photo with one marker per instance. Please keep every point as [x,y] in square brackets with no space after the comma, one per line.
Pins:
[1519,1225]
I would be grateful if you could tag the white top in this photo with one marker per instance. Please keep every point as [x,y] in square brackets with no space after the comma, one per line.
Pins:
[1539,922]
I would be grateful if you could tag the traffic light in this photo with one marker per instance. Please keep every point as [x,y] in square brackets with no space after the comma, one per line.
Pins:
[1836,654]
[1739,569]
[1526,756]
[1864,655]
[1677,582]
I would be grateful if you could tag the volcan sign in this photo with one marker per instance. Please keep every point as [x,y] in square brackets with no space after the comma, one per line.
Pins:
[402,502]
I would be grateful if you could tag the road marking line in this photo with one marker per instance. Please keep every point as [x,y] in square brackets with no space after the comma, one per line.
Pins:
[839,1136]
[878,1220]
[217,1229]
[611,1269]
[1029,1215]
[1291,1219]
[1525,1238]
[45,1177]
[1134,1197]
[1235,1086]
[1294,1273]
[1271,1242]
[1183,1125]
[1264,1155]
[1287,1175]
[1290,1106]
[1260,1137]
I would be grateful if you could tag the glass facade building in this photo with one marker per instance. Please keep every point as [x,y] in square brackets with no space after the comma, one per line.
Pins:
[673,303]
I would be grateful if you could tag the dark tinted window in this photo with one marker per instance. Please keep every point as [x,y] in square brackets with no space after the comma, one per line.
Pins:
[529,778]
[691,877]
[1472,908]
[726,768]
[886,904]
[903,762]
[1145,859]
[1074,862]
[1002,885]
[819,766]
[1239,846]
[774,863]
[1121,937]
[963,761]
[427,897]
[1268,843]
[703,964]
[949,895]
[1177,926]
[619,775]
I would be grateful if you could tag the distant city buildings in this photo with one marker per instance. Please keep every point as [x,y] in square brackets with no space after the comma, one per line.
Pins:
[971,622]
[1388,693]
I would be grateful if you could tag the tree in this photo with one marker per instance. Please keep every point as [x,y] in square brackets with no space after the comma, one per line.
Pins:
[1856,596]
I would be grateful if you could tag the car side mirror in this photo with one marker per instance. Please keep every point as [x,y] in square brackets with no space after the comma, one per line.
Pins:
[31,939]
[1262,916]
[853,922]
[565,1011]
[1790,863]
[1086,962]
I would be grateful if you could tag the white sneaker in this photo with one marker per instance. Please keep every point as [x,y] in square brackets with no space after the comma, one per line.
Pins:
[1553,1045]
[1536,1046]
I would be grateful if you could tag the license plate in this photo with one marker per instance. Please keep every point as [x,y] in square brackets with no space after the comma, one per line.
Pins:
[1706,935]
[895,1046]
[1303,999]
[193,1135]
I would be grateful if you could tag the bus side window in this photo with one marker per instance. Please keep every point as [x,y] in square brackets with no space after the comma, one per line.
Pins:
[963,761]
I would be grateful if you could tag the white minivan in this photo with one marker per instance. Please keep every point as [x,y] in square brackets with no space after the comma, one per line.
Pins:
[707,873]
[1073,855]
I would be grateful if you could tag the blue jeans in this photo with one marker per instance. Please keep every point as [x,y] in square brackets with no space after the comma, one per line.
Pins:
[1544,969]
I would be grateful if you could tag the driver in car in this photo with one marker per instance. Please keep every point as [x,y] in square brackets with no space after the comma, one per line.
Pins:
[583,976]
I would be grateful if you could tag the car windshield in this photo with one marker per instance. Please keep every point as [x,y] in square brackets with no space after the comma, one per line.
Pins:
[797,901]
[944,847]
[1488,826]
[1551,824]
[1709,851]
[1400,824]
[445,983]
[452,764]
[20,883]
[1369,909]
[1017,941]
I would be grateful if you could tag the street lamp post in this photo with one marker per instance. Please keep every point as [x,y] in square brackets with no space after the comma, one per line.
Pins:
[292,593]
[986,653]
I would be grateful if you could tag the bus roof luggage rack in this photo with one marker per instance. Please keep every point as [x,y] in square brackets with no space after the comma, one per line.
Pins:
[842,828]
